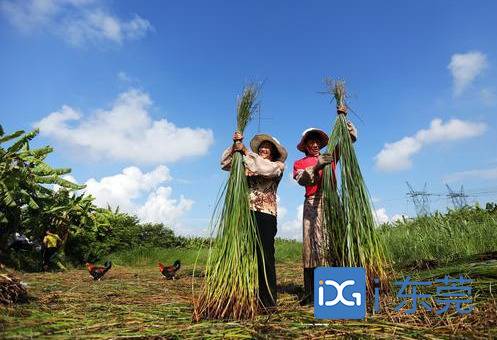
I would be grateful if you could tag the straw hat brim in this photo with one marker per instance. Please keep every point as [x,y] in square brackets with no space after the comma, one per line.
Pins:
[320,134]
[256,142]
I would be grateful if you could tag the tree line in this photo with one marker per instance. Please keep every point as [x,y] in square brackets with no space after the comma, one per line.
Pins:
[35,197]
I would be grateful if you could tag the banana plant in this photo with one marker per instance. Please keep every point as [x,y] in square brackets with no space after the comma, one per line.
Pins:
[26,181]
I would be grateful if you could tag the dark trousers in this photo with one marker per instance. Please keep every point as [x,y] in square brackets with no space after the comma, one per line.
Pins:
[47,254]
[266,227]
[308,286]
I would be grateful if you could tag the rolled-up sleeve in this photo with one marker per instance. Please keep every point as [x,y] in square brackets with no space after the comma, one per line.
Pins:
[353,132]
[305,177]
[226,159]
[257,165]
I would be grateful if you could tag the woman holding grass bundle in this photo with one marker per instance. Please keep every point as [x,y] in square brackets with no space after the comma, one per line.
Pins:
[308,172]
[264,167]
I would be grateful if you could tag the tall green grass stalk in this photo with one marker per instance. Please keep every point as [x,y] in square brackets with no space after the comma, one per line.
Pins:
[232,283]
[443,238]
[351,237]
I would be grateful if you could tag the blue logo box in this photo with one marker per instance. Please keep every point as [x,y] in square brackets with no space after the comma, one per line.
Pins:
[339,293]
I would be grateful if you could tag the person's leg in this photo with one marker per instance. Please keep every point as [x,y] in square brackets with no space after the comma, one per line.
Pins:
[266,227]
[47,257]
[309,250]
[269,255]
[308,286]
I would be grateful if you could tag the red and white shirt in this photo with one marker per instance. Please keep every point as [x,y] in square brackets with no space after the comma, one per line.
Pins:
[304,174]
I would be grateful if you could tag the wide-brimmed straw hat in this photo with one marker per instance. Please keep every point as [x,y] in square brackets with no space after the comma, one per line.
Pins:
[256,142]
[320,135]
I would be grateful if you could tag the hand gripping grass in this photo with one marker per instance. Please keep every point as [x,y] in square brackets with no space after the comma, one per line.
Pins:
[231,283]
[352,240]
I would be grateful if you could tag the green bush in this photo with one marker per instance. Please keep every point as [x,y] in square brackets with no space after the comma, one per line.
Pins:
[114,232]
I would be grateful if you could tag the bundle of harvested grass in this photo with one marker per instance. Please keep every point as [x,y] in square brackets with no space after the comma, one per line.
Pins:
[230,290]
[12,290]
[352,240]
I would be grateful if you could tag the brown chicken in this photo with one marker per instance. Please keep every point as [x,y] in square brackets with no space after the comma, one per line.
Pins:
[169,272]
[98,272]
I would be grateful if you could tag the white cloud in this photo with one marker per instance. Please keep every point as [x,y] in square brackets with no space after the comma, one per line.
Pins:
[67,177]
[76,21]
[291,229]
[124,77]
[380,216]
[488,97]
[397,155]
[122,189]
[282,211]
[160,207]
[127,188]
[126,132]
[488,174]
[465,67]
[398,217]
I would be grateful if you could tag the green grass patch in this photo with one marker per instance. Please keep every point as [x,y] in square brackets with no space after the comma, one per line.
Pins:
[288,250]
[441,237]
[285,251]
[149,256]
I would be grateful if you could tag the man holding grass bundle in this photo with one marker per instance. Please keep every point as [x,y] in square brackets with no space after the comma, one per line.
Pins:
[308,172]
[264,167]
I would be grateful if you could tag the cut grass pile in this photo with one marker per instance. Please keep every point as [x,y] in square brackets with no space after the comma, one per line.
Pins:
[12,290]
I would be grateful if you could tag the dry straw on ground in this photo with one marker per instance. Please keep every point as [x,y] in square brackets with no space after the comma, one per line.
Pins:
[137,302]
[12,290]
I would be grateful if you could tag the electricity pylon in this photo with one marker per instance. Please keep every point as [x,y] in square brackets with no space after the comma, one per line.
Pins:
[420,199]
[458,198]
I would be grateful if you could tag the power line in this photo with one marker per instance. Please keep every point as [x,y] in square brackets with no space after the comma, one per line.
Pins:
[420,199]
[476,194]
[259,119]
[458,198]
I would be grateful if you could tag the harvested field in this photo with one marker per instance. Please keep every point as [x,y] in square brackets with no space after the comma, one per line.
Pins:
[137,302]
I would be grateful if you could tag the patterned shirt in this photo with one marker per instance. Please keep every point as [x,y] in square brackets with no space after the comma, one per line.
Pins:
[263,178]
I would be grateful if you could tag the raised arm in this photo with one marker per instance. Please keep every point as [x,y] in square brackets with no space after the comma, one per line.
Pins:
[227,155]
[353,135]
[226,159]
[257,165]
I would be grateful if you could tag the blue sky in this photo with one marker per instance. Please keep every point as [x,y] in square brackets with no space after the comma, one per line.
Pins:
[138,98]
